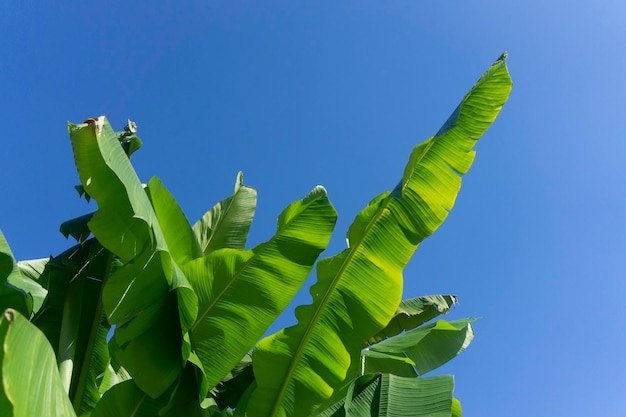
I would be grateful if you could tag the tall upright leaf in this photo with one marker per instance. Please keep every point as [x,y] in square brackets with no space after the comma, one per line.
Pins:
[241,293]
[127,225]
[137,295]
[359,290]
[124,218]
[227,224]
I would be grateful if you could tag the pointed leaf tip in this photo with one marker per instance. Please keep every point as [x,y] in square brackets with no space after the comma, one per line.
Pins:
[238,181]
[317,192]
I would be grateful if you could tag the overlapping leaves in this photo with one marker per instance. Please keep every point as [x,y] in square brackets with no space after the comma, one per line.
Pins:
[189,302]
[358,291]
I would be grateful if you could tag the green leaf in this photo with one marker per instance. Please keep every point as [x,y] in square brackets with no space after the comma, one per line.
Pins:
[241,293]
[416,397]
[359,290]
[82,352]
[457,411]
[184,400]
[17,290]
[227,224]
[414,312]
[182,246]
[428,346]
[381,362]
[136,296]
[57,275]
[72,319]
[128,400]
[232,387]
[30,379]
[113,375]
[124,218]
[33,268]
[126,224]
[152,357]
[394,396]
[77,228]
[181,241]
[94,365]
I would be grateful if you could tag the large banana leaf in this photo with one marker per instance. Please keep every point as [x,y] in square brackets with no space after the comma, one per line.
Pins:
[124,220]
[71,317]
[181,241]
[59,272]
[153,357]
[81,355]
[31,385]
[420,350]
[227,224]
[126,224]
[358,291]
[137,295]
[414,312]
[241,293]
[94,363]
[182,246]
[394,396]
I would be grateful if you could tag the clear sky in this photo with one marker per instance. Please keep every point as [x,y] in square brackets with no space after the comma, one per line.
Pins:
[337,93]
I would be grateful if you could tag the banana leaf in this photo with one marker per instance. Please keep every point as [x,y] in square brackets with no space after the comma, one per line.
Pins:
[393,396]
[420,350]
[18,290]
[227,224]
[241,293]
[77,228]
[358,291]
[414,312]
[31,385]
[136,296]
[127,397]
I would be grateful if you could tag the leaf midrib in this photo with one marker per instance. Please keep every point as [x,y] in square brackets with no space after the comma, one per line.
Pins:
[221,294]
[220,223]
[309,331]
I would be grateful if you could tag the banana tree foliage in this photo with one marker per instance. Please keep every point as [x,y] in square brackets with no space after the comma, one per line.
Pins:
[148,315]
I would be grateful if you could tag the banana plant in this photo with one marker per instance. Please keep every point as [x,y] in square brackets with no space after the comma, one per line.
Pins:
[148,315]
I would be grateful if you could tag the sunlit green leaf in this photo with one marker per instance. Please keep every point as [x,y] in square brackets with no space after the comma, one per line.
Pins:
[428,346]
[414,312]
[30,379]
[226,225]
[457,410]
[17,290]
[241,293]
[358,291]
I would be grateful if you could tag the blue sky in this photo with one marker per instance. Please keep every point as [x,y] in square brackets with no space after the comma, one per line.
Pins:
[297,94]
